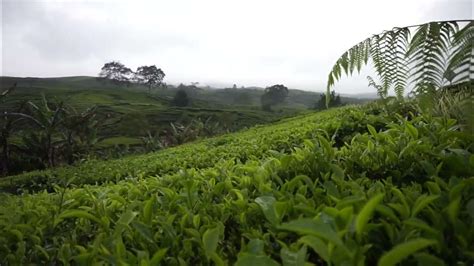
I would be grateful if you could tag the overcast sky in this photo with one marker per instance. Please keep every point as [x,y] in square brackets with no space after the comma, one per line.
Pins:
[247,42]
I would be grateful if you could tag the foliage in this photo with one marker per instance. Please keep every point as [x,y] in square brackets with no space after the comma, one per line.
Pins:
[289,193]
[50,132]
[151,142]
[181,98]
[116,72]
[273,95]
[438,52]
[334,101]
[151,76]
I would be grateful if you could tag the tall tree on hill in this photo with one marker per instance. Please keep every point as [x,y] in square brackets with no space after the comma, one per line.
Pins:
[116,72]
[151,76]
[334,100]
[181,98]
[273,95]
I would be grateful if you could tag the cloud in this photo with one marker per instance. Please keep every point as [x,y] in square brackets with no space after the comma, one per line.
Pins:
[213,42]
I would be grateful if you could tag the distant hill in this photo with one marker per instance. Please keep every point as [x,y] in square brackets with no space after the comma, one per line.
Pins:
[133,111]
[202,96]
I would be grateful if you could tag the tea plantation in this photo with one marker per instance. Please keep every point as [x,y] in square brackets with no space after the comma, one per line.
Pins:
[347,186]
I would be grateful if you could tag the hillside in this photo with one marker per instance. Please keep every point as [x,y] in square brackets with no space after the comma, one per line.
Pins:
[352,184]
[133,111]
[219,97]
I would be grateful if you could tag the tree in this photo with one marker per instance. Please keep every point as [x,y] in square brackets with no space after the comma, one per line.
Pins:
[8,124]
[334,100]
[151,76]
[438,52]
[116,72]
[79,132]
[48,117]
[273,95]
[181,98]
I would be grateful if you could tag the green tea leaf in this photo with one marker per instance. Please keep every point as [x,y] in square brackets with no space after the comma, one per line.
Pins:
[256,246]
[372,130]
[247,259]
[411,130]
[402,251]
[312,227]
[425,259]
[267,204]
[210,238]
[317,245]
[421,203]
[158,256]
[78,214]
[366,213]
[290,258]
[453,209]
[148,210]
[127,217]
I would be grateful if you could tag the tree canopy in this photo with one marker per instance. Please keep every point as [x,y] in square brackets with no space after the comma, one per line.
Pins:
[151,76]
[334,100]
[181,98]
[273,95]
[116,72]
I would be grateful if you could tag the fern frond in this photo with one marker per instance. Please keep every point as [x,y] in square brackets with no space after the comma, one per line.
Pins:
[380,90]
[462,59]
[438,51]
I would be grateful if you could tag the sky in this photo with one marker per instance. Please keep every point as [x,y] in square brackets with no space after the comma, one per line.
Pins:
[213,42]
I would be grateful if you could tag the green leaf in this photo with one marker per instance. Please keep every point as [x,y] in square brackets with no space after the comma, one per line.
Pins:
[78,214]
[148,210]
[127,217]
[366,213]
[421,203]
[312,227]
[453,209]
[290,258]
[317,245]
[267,204]
[411,130]
[210,239]
[425,259]
[144,230]
[372,130]
[247,259]
[402,251]
[256,246]
[158,256]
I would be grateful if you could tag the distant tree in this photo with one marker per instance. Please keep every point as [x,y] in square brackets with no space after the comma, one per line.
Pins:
[181,98]
[234,86]
[334,100]
[273,95]
[116,72]
[151,76]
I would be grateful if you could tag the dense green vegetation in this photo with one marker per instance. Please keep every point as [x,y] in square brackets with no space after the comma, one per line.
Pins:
[101,118]
[352,185]
[385,183]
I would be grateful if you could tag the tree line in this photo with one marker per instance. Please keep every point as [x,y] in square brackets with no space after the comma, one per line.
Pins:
[118,73]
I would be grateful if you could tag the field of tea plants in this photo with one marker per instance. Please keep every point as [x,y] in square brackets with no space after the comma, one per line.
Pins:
[347,186]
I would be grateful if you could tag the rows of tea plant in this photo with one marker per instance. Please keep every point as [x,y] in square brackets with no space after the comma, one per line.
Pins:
[253,143]
[400,189]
